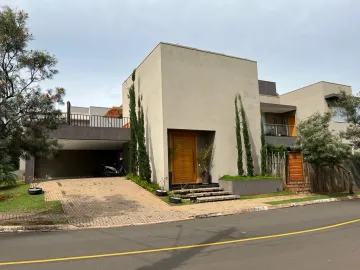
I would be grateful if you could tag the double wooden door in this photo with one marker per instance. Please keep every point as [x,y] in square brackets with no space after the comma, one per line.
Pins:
[184,157]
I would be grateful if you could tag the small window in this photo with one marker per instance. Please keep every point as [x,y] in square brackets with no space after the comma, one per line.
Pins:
[338,115]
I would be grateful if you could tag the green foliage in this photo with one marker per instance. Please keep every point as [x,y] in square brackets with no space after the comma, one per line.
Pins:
[263,149]
[247,143]
[246,178]
[143,157]
[205,158]
[133,127]
[149,186]
[7,177]
[28,114]
[350,106]
[319,146]
[277,149]
[238,139]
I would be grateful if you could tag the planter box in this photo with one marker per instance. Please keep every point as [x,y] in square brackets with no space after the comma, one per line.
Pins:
[252,187]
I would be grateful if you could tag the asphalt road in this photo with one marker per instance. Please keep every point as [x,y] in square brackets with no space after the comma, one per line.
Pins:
[334,248]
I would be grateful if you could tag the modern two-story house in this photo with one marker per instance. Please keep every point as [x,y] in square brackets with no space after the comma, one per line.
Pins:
[188,99]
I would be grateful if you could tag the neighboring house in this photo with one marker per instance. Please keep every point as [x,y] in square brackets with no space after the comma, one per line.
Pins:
[89,139]
[318,97]
[188,98]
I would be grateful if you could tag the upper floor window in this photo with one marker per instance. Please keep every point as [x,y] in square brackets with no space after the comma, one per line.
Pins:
[338,115]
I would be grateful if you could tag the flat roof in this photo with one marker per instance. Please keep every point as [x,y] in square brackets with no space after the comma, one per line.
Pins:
[314,84]
[189,48]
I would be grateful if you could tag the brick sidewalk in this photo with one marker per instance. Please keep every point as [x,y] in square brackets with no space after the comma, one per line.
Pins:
[107,202]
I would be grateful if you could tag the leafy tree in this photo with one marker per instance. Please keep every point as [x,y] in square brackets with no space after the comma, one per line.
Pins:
[133,127]
[350,109]
[247,143]
[27,114]
[263,149]
[320,147]
[238,140]
[143,157]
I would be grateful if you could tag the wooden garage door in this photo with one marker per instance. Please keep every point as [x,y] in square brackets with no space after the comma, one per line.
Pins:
[184,161]
[295,167]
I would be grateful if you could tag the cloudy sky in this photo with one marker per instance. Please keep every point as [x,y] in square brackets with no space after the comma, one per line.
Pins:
[99,42]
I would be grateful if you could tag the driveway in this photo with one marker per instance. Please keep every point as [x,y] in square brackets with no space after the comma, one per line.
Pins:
[102,202]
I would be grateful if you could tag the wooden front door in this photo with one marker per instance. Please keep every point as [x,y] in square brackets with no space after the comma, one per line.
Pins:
[295,167]
[184,160]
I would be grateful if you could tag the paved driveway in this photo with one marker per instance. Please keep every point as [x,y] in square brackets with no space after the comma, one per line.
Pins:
[108,202]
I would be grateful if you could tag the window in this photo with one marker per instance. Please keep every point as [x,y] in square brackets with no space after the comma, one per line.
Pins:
[338,115]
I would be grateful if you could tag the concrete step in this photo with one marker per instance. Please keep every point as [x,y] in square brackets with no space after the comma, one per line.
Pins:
[197,190]
[217,198]
[206,194]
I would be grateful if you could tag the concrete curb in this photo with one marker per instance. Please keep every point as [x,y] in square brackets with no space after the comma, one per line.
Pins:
[274,207]
[67,227]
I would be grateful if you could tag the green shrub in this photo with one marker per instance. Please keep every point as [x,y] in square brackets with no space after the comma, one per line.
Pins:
[7,177]
[150,186]
[246,178]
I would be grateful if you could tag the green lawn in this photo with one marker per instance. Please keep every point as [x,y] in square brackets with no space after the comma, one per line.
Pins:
[276,194]
[166,199]
[16,200]
[312,198]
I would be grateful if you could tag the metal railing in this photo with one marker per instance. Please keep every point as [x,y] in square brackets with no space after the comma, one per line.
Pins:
[280,130]
[83,120]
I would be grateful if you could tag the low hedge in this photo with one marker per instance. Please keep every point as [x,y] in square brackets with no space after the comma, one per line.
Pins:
[247,178]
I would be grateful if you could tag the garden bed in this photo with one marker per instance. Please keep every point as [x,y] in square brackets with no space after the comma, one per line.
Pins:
[152,187]
[240,185]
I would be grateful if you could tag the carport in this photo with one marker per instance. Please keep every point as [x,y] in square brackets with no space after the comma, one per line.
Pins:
[80,158]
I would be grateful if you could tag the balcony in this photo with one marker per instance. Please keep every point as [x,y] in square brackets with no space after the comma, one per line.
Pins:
[280,130]
[82,120]
[93,127]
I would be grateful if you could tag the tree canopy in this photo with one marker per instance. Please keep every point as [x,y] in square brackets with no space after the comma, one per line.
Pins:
[320,147]
[350,109]
[27,113]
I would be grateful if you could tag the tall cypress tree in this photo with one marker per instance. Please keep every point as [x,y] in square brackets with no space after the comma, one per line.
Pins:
[238,140]
[133,126]
[263,149]
[247,143]
[144,161]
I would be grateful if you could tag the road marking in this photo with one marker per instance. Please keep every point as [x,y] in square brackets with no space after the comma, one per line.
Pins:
[136,252]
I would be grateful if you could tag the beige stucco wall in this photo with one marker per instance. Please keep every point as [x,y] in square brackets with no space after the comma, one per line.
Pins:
[198,94]
[148,83]
[311,99]
[269,99]
[308,100]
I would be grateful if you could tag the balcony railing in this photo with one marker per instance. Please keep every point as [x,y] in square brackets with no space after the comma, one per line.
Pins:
[95,121]
[280,130]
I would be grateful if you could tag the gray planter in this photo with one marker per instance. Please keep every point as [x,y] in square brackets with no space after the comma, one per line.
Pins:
[252,187]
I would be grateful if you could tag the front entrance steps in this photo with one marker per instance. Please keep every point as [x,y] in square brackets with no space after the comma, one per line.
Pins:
[299,187]
[206,194]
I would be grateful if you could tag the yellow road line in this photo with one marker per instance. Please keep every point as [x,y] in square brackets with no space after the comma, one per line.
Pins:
[136,252]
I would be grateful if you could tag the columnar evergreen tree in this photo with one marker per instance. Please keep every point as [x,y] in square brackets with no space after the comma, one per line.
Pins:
[27,114]
[238,139]
[133,127]
[247,143]
[263,149]
[143,157]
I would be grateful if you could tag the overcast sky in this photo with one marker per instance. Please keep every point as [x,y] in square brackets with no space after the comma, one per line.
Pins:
[99,42]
